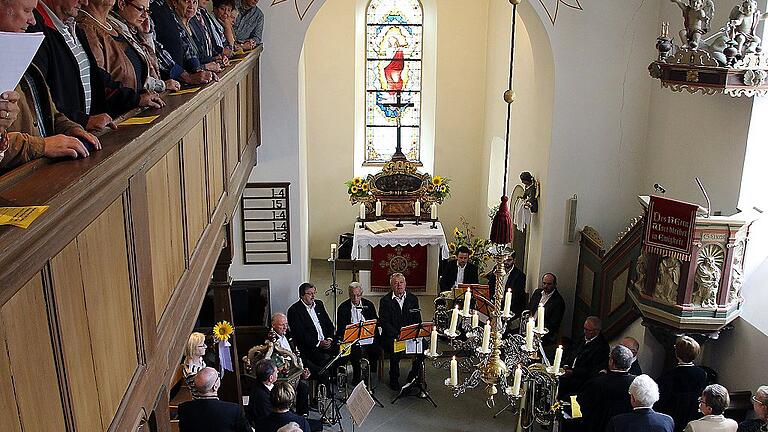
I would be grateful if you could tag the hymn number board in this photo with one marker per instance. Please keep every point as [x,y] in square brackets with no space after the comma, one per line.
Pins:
[266,224]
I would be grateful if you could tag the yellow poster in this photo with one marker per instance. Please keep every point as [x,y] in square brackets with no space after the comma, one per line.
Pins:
[185,91]
[345,349]
[399,346]
[575,408]
[139,120]
[21,217]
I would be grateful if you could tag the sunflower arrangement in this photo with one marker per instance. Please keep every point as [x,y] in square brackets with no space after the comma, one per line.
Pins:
[439,188]
[465,235]
[357,187]
[223,330]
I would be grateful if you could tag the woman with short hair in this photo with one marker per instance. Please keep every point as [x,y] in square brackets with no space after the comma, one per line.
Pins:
[712,403]
[282,398]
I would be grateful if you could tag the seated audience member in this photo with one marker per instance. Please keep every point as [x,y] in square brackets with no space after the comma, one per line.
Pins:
[224,15]
[459,271]
[259,404]
[643,393]
[164,61]
[249,24]
[760,405]
[30,125]
[83,91]
[207,40]
[207,413]
[312,330]
[633,346]
[282,396]
[193,359]
[588,358]
[607,395]
[171,18]
[681,386]
[128,17]
[352,311]
[514,280]
[112,51]
[712,403]
[554,307]
[290,427]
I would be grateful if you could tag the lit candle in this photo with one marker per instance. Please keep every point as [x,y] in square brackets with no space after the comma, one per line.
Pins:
[454,372]
[486,338]
[433,342]
[454,320]
[417,209]
[540,319]
[517,381]
[378,208]
[433,212]
[467,301]
[529,335]
[558,359]
[362,211]
[333,250]
[507,302]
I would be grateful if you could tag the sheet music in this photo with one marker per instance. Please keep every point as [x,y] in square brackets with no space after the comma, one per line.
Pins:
[17,51]
[366,341]
[360,403]
[414,346]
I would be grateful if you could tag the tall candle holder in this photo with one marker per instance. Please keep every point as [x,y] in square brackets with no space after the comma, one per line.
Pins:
[399,223]
[417,221]
[434,224]
[362,222]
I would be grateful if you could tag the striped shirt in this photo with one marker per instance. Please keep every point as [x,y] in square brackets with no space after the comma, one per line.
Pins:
[67,30]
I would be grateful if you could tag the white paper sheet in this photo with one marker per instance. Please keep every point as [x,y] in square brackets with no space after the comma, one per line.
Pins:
[17,51]
[360,403]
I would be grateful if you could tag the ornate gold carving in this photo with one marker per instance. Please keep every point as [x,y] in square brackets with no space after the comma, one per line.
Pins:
[692,76]
[593,236]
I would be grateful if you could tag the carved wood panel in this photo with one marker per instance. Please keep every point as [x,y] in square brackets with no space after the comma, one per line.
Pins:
[195,191]
[215,149]
[231,130]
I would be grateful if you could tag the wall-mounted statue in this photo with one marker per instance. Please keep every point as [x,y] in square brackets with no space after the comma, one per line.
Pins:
[667,280]
[742,25]
[708,272]
[697,15]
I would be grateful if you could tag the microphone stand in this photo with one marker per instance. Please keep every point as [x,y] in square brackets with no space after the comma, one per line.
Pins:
[334,288]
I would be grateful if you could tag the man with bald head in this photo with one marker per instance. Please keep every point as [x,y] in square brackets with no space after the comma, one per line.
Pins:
[281,330]
[589,357]
[633,346]
[207,412]
[352,311]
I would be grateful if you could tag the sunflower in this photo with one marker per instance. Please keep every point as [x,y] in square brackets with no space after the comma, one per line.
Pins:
[222,331]
[456,232]
[437,180]
[356,181]
[353,189]
[364,187]
[452,246]
[430,188]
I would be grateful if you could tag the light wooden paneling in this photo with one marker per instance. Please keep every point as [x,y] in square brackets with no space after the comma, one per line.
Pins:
[75,334]
[9,414]
[249,98]
[107,287]
[215,148]
[25,322]
[165,227]
[231,127]
[244,126]
[195,190]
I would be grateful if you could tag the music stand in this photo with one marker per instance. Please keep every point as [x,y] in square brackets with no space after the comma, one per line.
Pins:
[356,266]
[410,332]
[357,332]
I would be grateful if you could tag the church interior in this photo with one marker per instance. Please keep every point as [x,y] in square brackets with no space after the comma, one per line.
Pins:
[221,210]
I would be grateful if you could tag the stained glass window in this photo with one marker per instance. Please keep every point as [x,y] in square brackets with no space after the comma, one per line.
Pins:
[393,78]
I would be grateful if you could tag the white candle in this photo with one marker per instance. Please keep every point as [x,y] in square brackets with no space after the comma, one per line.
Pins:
[486,338]
[517,381]
[433,342]
[507,302]
[558,359]
[529,335]
[454,372]
[540,319]
[333,250]
[362,211]
[433,212]
[378,208]
[467,301]
[417,209]
[454,320]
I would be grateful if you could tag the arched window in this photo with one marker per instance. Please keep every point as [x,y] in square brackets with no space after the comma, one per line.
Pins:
[393,72]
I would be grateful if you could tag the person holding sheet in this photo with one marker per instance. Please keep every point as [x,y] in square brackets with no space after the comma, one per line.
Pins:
[353,311]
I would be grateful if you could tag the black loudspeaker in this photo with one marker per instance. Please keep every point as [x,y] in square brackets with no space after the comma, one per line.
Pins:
[345,246]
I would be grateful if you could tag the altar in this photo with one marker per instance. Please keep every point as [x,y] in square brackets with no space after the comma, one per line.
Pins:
[405,258]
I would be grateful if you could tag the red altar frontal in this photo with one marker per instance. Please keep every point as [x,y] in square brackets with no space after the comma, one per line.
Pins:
[411,261]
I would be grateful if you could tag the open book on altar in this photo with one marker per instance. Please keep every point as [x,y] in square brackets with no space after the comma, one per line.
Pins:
[380,226]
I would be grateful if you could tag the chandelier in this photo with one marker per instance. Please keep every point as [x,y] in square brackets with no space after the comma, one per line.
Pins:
[512,368]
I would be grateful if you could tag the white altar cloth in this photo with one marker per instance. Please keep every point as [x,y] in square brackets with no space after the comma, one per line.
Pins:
[408,235]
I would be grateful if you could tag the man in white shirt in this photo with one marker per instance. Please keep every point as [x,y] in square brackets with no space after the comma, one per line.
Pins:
[312,329]
[460,271]
[398,309]
[352,311]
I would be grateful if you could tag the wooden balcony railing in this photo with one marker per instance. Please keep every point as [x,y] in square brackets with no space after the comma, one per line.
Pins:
[98,296]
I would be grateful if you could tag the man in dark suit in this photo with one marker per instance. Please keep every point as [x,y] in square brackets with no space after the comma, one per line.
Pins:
[643,393]
[607,395]
[259,406]
[554,307]
[515,281]
[207,413]
[398,309]
[352,311]
[460,271]
[681,386]
[633,346]
[312,330]
[588,358]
